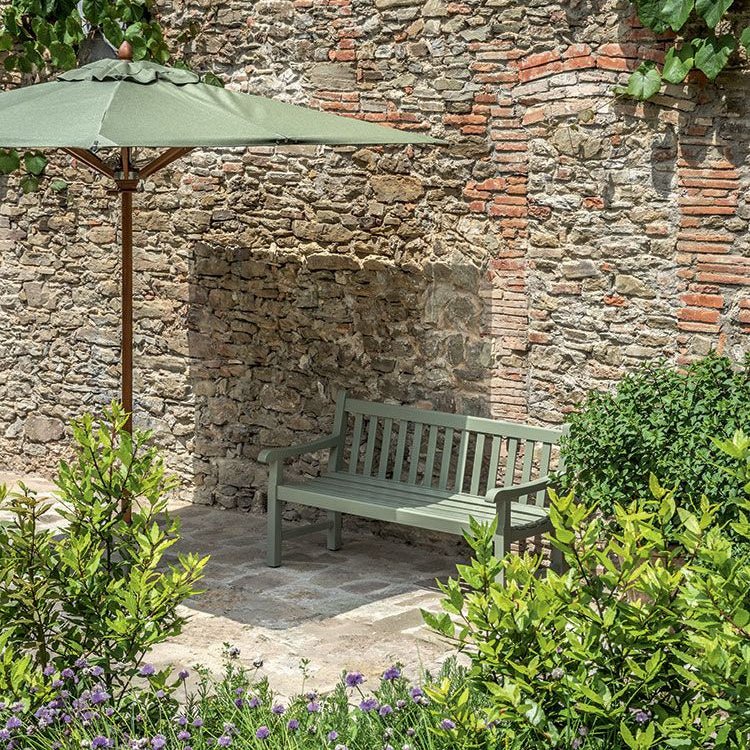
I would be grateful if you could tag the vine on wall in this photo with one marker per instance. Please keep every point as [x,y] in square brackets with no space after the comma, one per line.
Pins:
[718,35]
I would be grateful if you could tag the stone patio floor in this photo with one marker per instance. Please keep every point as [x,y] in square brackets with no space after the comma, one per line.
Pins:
[355,609]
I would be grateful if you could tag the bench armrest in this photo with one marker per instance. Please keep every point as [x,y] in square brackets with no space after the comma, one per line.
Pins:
[271,455]
[517,490]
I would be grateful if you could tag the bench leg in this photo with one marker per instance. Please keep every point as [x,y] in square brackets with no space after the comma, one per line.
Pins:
[500,551]
[557,561]
[273,555]
[334,530]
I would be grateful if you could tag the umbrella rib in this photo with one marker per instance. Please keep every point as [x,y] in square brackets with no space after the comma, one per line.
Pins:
[91,160]
[170,155]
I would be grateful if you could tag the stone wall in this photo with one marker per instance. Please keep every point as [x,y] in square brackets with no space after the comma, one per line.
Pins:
[562,237]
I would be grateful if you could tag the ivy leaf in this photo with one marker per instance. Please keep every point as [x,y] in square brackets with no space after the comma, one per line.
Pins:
[6,42]
[35,162]
[10,161]
[62,55]
[212,80]
[678,63]
[29,183]
[644,82]
[112,32]
[745,38]
[712,10]
[660,15]
[712,54]
[58,185]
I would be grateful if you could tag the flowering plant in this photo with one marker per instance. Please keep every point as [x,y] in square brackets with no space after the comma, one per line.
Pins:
[94,589]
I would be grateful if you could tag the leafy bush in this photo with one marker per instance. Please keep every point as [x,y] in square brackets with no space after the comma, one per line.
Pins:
[94,590]
[239,710]
[643,644]
[659,421]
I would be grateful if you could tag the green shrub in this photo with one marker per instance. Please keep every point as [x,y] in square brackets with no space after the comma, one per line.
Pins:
[659,420]
[95,589]
[643,644]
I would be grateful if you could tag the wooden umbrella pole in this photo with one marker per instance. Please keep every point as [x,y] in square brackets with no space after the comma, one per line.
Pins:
[127,183]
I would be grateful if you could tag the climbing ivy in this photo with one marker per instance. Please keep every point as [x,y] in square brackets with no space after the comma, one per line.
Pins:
[718,36]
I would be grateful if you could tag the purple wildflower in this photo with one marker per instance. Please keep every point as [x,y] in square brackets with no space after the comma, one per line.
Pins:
[254,702]
[13,723]
[332,735]
[385,710]
[197,721]
[239,702]
[642,716]
[67,673]
[313,707]
[352,679]
[278,709]
[181,721]
[292,725]
[224,741]
[100,741]
[159,742]
[48,671]
[447,724]
[81,663]
[99,695]
[392,673]
[369,704]
[147,670]
[416,694]
[183,674]
[96,671]
[263,733]
[183,735]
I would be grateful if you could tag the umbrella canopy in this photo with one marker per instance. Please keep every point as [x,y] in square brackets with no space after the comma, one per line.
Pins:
[118,103]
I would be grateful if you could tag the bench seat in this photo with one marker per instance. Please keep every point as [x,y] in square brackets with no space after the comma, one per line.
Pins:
[429,509]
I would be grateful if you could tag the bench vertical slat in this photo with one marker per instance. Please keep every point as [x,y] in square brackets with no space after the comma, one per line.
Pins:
[463,448]
[385,447]
[476,473]
[445,463]
[510,464]
[398,464]
[497,443]
[416,450]
[430,461]
[544,462]
[356,440]
[528,462]
[372,431]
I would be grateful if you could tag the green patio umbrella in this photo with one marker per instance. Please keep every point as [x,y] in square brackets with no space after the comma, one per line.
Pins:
[120,104]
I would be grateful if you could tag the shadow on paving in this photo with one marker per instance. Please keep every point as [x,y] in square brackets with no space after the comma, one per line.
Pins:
[312,584]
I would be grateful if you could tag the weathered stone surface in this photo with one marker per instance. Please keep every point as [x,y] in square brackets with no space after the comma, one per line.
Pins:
[43,429]
[390,188]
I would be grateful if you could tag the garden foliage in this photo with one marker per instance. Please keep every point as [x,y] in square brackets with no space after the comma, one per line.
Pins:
[659,420]
[643,644]
[95,589]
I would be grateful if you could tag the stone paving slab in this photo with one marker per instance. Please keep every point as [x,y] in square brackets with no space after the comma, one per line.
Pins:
[357,608]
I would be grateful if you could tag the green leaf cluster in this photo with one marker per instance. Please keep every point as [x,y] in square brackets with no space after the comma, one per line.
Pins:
[643,644]
[709,53]
[658,420]
[96,587]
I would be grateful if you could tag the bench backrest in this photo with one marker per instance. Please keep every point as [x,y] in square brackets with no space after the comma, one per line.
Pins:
[438,450]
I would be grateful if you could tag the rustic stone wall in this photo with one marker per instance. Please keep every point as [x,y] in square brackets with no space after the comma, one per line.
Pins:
[562,237]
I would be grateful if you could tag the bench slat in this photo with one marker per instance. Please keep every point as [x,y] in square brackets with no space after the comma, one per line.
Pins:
[445,463]
[510,465]
[416,450]
[356,440]
[544,462]
[372,430]
[528,462]
[478,461]
[461,465]
[385,447]
[497,443]
[398,464]
[429,467]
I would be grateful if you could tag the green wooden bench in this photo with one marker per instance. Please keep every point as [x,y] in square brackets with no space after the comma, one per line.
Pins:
[421,468]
